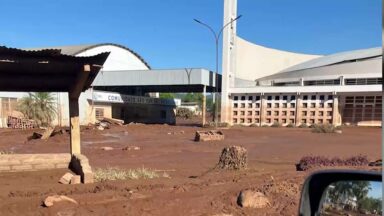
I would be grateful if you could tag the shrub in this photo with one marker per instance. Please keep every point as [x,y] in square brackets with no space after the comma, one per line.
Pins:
[254,125]
[184,113]
[276,124]
[323,128]
[121,174]
[264,125]
[290,125]
[309,162]
[303,125]
[4,152]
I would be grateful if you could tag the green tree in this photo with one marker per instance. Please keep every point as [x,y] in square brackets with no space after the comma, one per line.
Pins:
[167,95]
[39,106]
[344,189]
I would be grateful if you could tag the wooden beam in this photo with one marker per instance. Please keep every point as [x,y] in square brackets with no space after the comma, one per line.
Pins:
[75,125]
[81,79]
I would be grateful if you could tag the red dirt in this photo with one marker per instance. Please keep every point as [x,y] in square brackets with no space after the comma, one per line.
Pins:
[272,154]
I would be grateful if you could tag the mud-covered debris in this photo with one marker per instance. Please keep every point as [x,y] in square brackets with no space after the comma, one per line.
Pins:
[66,178]
[233,158]
[50,200]
[252,199]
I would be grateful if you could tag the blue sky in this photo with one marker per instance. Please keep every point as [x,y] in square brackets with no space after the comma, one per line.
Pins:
[164,33]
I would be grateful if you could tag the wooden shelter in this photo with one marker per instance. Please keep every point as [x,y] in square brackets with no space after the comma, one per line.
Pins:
[50,71]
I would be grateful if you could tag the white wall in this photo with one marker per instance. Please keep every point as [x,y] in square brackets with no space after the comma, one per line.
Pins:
[254,61]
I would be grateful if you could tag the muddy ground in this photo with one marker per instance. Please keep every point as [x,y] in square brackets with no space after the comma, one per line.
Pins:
[190,190]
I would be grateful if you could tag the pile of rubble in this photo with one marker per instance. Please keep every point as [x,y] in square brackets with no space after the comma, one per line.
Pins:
[16,120]
[209,135]
[105,123]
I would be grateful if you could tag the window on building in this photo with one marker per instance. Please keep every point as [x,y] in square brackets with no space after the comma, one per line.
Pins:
[305,105]
[320,121]
[276,105]
[284,113]
[329,121]
[268,120]
[250,113]
[257,105]
[257,98]
[321,105]
[304,113]
[312,113]
[285,97]
[249,120]
[269,97]
[313,97]
[257,113]
[241,120]
[235,105]
[99,113]
[277,97]
[235,113]
[330,97]
[242,97]
[236,98]
[249,105]
[269,105]
[291,121]
[313,105]
[284,105]
[250,98]
[322,97]
[235,121]
[257,120]
[329,105]
[242,113]
[276,113]
[311,121]
[268,113]
[321,113]
[284,121]
[243,105]
[292,113]
[293,97]
[329,113]
[305,97]
[292,105]
[304,121]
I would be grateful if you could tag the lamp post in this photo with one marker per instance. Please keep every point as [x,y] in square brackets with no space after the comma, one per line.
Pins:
[217,38]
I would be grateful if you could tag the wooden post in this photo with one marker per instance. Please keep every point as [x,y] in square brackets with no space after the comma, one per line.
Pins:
[74,94]
[204,108]
[75,125]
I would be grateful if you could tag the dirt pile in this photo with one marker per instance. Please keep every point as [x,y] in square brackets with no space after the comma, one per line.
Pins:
[233,158]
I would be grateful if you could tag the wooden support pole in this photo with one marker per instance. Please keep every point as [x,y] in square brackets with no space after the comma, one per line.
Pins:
[204,108]
[75,125]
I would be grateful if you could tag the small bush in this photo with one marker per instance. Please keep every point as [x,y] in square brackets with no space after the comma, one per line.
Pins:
[264,125]
[303,125]
[323,128]
[276,124]
[290,125]
[121,174]
[254,125]
[4,152]
[184,113]
[309,162]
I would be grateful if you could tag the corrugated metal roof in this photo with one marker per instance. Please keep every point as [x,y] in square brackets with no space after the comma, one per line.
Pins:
[76,49]
[337,58]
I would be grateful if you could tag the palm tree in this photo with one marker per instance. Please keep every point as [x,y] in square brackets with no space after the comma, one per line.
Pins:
[39,106]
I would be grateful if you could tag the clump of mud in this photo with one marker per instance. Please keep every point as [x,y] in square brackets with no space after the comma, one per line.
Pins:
[233,158]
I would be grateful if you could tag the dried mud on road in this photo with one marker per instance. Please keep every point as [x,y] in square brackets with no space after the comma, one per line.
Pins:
[272,154]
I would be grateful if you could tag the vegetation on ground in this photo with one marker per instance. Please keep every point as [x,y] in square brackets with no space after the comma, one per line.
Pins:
[114,173]
[39,106]
[309,162]
[5,152]
[276,124]
[323,128]
[184,113]
[167,95]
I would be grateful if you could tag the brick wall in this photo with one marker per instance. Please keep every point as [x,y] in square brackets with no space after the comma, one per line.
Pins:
[33,162]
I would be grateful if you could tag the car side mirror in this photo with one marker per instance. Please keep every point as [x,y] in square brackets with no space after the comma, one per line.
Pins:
[342,192]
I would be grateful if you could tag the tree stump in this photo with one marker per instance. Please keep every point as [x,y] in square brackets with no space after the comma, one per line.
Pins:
[233,158]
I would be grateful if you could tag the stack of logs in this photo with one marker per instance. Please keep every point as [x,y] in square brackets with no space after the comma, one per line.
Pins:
[20,123]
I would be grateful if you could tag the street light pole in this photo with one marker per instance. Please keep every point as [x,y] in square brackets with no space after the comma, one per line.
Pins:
[217,38]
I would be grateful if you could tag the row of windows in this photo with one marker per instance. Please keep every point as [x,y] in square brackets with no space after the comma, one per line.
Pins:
[364,81]
[322,82]
[362,99]
[269,113]
[313,113]
[284,105]
[285,97]
[283,121]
